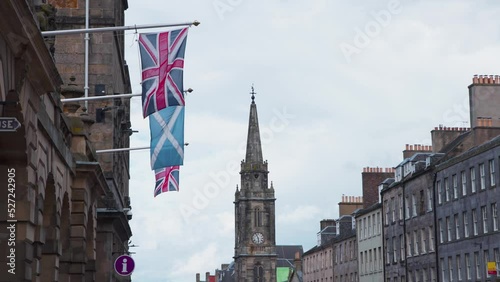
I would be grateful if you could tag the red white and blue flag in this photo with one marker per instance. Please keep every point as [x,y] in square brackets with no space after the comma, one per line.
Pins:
[162,59]
[167,179]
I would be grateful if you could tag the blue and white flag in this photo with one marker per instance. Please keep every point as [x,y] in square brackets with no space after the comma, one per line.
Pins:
[167,137]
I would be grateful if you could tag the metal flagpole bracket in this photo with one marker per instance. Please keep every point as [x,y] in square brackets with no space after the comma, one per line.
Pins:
[69,100]
[113,28]
[125,149]
[120,150]
[99,98]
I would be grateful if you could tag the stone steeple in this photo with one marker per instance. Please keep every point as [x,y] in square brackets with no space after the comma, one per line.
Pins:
[255,238]
[254,148]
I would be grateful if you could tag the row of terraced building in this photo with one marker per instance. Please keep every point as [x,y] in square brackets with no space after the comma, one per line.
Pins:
[433,217]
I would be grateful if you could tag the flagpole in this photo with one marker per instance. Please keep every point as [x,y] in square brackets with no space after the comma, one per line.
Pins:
[113,28]
[125,149]
[68,100]
[99,97]
[120,150]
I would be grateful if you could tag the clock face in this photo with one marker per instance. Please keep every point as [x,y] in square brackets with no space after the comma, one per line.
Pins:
[258,238]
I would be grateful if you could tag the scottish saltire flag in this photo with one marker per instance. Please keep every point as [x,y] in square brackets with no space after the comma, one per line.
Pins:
[167,137]
[167,179]
[162,59]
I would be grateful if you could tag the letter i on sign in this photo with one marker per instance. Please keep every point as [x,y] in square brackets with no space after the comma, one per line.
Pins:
[124,266]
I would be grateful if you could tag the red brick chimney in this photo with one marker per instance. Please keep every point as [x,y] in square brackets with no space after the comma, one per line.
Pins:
[371,178]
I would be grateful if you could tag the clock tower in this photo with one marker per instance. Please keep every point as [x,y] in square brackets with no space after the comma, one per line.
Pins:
[255,238]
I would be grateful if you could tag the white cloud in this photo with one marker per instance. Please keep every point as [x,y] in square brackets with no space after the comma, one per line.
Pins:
[297,215]
[195,262]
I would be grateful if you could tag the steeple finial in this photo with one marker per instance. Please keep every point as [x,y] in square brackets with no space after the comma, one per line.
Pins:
[253,94]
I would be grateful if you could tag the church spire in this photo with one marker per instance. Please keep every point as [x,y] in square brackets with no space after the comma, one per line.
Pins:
[254,148]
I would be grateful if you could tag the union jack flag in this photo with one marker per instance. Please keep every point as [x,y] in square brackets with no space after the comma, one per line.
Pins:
[162,59]
[167,179]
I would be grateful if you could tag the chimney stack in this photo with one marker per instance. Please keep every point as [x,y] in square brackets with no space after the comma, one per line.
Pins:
[297,262]
[484,97]
[370,182]
[410,150]
[197,277]
[325,223]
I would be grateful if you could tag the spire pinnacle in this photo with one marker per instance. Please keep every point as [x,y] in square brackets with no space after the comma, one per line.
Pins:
[254,148]
[253,94]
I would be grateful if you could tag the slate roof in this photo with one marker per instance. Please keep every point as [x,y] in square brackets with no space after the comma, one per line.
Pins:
[368,209]
[286,254]
[228,274]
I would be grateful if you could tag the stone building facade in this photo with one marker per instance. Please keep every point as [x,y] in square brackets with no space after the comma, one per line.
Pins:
[369,240]
[418,222]
[467,213]
[107,122]
[467,195]
[61,185]
[393,240]
[318,261]
[345,265]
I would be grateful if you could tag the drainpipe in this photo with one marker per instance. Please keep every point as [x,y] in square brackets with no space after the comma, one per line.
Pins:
[383,234]
[435,192]
[404,230]
[87,39]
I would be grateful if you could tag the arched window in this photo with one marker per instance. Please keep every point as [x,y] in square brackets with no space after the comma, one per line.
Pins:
[257,217]
[258,273]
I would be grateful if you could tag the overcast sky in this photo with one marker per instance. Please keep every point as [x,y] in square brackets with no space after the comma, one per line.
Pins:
[341,85]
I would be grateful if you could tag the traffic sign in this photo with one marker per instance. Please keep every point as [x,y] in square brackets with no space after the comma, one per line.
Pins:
[124,265]
[9,124]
